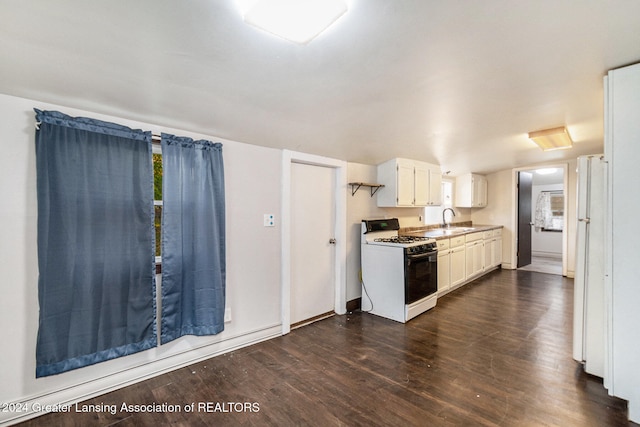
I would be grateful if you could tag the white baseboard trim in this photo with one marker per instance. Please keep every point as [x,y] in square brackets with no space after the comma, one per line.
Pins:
[33,406]
[542,254]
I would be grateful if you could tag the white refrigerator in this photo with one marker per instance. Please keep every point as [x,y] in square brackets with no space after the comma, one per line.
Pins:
[589,297]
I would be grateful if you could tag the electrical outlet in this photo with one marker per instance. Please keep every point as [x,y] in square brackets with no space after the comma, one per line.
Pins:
[227,315]
[269,220]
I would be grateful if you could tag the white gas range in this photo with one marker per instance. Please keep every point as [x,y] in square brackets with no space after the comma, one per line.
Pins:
[399,273]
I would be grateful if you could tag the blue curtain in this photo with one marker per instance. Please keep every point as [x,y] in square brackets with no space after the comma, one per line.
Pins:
[96,286]
[193,238]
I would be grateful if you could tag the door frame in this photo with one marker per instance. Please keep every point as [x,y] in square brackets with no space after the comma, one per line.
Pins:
[514,211]
[340,193]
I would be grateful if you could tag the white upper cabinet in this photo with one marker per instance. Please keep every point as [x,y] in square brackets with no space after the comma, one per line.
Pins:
[409,183]
[471,191]
[405,184]
[420,184]
[435,186]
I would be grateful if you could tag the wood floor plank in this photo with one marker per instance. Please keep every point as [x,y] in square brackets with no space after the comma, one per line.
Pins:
[496,352]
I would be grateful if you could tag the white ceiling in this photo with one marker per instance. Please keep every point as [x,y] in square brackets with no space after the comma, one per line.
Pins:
[456,82]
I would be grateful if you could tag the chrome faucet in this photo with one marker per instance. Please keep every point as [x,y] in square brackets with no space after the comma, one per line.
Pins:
[444,222]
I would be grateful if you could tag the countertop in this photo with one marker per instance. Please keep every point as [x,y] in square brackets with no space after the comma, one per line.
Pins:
[445,233]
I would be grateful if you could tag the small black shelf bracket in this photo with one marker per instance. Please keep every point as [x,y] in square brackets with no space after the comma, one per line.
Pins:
[355,186]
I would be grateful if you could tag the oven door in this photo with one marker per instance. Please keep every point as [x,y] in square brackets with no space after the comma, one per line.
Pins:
[420,276]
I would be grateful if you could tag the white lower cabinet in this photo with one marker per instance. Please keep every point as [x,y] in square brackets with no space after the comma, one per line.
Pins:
[444,266]
[489,248]
[463,258]
[497,260]
[457,260]
[492,248]
[474,256]
[451,263]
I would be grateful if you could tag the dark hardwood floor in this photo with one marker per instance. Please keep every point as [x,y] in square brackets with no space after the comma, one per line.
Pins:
[496,352]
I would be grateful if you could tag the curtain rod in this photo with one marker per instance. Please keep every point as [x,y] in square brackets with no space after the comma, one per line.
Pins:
[154,136]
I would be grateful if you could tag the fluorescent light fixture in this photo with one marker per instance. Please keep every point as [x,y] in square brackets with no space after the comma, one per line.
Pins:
[546,171]
[298,21]
[552,139]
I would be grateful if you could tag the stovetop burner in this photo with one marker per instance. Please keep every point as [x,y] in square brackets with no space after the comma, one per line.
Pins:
[401,239]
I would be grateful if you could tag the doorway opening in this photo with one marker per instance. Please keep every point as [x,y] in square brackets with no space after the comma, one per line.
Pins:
[541,219]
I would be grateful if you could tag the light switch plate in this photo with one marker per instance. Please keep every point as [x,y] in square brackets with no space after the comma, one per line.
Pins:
[269,220]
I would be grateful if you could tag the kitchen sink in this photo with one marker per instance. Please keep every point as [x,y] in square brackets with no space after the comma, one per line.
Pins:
[458,229]
[437,232]
[448,231]
[440,232]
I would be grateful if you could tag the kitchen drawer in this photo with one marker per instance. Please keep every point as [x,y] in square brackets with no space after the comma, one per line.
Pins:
[442,244]
[457,241]
[472,237]
[497,232]
[487,234]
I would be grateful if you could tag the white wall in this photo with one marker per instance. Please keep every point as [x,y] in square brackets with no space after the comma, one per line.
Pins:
[433,215]
[252,183]
[544,243]
[359,206]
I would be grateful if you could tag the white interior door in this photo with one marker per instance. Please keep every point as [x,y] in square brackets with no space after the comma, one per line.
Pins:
[312,229]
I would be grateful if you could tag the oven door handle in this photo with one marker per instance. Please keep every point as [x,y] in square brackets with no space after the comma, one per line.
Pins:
[420,256]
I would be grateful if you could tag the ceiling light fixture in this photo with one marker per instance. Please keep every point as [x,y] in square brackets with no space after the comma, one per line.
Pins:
[546,171]
[552,139]
[298,21]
